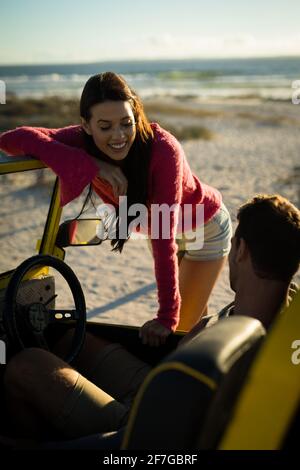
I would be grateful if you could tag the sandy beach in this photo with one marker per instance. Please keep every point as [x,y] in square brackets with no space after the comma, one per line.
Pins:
[252,146]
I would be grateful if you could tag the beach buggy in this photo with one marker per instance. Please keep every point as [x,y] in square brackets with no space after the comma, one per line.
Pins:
[223,378]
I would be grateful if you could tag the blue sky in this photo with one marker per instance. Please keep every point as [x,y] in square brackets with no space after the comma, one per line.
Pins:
[66,31]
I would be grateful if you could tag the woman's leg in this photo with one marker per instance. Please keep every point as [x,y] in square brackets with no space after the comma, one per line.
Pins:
[199,269]
[196,282]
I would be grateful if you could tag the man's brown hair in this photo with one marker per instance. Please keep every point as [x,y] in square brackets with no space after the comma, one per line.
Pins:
[270,226]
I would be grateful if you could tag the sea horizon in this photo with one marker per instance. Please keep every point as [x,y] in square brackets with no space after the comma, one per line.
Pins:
[139,59]
[264,77]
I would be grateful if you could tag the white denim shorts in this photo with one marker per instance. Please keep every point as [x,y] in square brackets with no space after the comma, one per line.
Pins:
[216,240]
[216,235]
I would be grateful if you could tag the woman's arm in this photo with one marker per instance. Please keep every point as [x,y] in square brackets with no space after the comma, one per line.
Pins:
[12,142]
[167,189]
[60,149]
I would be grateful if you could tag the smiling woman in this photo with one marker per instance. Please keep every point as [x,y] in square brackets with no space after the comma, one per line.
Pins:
[116,131]
[113,135]
[119,153]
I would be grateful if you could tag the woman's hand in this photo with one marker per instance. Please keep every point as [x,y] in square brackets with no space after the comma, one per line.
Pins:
[154,333]
[114,176]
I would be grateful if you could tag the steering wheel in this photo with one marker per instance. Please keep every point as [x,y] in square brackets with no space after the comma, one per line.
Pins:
[33,318]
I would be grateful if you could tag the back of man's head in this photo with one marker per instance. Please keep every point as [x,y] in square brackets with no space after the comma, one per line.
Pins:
[270,226]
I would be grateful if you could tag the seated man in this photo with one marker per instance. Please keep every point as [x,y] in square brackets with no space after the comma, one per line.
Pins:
[42,390]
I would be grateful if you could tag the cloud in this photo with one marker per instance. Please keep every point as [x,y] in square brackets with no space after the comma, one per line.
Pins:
[160,46]
[242,45]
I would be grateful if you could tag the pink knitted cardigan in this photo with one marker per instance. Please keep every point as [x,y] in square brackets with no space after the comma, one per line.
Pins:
[170,182]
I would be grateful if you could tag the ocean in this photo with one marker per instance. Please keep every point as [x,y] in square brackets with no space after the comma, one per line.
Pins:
[269,78]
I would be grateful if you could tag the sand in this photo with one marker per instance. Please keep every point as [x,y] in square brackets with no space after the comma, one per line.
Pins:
[255,149]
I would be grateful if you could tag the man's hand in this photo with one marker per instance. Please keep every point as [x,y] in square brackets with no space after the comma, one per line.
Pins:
[114,176]
[153,333]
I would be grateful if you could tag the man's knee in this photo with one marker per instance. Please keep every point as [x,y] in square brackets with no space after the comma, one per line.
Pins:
[28,369]
[22,367]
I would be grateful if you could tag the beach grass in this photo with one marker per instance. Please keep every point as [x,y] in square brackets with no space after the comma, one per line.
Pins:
[186,120]
[46,112]
[56,112]
[188,132]
[269,120]
[156,108]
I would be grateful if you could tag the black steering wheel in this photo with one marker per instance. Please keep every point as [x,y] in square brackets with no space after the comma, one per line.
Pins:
[32,319]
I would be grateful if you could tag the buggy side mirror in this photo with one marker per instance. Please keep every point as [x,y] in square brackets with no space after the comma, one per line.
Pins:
[80,232]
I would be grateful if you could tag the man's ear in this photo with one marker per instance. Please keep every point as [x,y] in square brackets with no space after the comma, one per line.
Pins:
[242,251]
[86,126]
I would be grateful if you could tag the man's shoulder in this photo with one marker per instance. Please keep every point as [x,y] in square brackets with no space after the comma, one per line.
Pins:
[210,320]
[207,321]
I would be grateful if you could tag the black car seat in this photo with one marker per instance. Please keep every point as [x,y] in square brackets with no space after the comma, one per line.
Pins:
[266,414]
[173,402]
